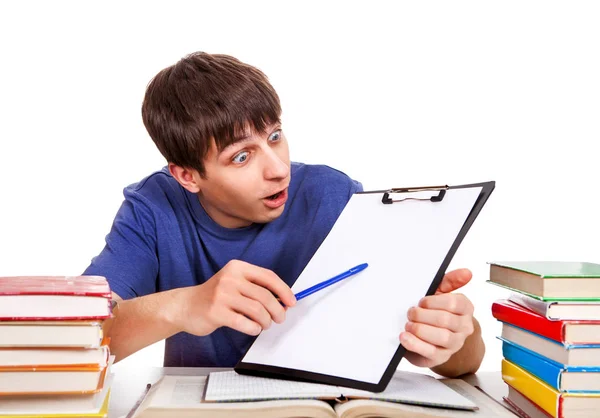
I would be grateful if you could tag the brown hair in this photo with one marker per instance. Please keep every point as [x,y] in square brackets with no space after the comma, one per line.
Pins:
[204,97]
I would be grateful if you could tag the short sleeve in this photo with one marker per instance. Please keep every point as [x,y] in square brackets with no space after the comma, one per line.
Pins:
[128,260]
[356,187]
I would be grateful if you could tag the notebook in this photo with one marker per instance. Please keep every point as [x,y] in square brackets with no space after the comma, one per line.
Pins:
[404,387]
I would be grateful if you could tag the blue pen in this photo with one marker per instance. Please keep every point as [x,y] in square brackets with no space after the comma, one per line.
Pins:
[329,282]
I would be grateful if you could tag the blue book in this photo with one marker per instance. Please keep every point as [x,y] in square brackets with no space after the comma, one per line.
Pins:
[561,377]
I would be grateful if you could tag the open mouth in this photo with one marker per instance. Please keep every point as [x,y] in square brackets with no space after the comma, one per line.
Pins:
[275,196]
[276,200]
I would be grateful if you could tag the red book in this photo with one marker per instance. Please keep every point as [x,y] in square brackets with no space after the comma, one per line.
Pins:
[565,332]
[54,297]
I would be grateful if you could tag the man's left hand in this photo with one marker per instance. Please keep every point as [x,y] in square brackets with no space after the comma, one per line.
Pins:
[438,327]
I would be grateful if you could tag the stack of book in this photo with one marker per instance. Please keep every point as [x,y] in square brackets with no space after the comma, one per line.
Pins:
[54,360]
[550,337]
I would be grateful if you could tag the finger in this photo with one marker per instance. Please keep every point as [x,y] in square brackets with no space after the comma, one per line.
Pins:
[269,280]
[452,302]
[265,298]
[239,323]
[418,346]
[454,280]
[437,318]
[439,337]
[418,360]
[253,309]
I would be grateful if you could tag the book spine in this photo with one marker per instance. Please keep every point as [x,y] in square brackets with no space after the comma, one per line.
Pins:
[526,319]
[532,388]
[538,366]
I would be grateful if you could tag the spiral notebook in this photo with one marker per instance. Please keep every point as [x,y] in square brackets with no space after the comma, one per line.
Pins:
[347,335]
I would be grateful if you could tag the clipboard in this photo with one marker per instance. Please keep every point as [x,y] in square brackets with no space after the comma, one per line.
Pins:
[347,335]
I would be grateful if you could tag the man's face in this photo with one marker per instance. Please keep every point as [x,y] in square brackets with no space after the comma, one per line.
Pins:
[247,182]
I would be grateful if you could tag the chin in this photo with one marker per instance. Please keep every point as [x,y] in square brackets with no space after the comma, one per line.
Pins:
[270,216]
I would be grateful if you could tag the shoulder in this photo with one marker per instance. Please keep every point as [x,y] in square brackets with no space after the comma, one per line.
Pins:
[323,180]
[324,176]
[156,196]
[155,189]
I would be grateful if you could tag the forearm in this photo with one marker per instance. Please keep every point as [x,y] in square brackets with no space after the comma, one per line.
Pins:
[142,321]
[467,359]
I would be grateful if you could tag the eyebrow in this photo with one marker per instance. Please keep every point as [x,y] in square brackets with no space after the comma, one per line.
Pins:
[237,141]
[246,137]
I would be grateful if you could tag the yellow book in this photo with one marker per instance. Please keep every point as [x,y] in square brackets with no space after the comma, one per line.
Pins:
[102,413]
[557,404]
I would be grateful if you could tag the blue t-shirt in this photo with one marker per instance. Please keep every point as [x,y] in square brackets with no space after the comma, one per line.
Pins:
[162,239]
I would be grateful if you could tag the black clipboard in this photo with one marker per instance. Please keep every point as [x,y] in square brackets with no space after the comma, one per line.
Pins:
[389,196]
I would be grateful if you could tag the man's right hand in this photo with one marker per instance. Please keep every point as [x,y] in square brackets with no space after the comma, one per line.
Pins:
[240,296]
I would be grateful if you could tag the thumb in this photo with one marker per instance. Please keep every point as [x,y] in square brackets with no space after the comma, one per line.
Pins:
[454,280]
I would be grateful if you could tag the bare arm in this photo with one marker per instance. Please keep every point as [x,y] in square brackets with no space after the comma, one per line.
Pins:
[240,296]
[153,317]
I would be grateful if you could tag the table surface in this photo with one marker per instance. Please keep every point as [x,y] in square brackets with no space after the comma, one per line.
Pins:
[129,383]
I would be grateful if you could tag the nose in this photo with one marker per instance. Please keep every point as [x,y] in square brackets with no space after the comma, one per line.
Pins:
[275,166]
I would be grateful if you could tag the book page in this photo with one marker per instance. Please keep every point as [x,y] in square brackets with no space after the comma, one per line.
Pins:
[230,386]
[487,408]
[179,391]
[175,396]
[350,330]
[404,387]
[416,389]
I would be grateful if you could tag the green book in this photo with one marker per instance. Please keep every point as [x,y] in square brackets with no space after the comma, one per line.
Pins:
[549,280]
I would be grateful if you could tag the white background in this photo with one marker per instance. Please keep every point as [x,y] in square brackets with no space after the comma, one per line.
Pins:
[406,94]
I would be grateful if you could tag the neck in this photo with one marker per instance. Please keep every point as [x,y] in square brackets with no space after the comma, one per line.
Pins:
[221,218]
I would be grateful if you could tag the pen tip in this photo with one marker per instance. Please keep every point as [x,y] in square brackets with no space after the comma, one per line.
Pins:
[360,267]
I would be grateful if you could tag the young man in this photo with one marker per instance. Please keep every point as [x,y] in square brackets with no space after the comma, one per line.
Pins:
[200,250]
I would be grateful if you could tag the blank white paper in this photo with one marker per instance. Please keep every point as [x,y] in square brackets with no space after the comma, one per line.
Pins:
[350,330]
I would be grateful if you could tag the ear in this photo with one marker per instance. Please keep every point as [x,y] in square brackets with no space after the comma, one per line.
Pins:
[187,177]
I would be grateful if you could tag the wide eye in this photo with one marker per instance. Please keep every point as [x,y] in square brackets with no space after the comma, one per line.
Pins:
[275,136]
[240,158]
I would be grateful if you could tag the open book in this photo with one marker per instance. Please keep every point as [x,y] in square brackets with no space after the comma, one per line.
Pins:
[227,394]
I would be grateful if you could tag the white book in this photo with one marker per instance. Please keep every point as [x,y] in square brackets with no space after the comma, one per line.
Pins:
[44,357]
[53,306]
[54,405]
[53,380]
[557,311]
[50,334]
